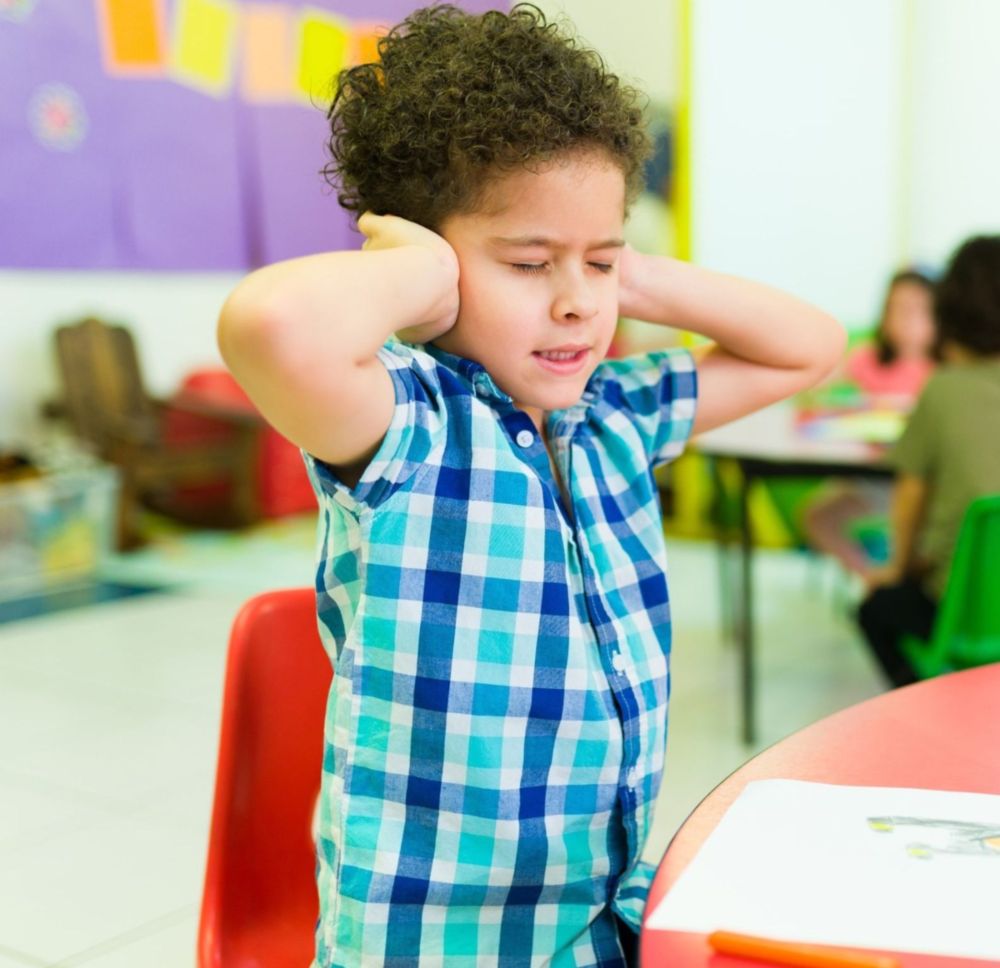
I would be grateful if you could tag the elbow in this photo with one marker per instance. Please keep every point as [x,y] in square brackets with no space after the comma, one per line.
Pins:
[831,344]
[246,332]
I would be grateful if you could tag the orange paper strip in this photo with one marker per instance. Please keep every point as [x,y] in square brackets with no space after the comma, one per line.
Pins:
[132,36]
[267,53]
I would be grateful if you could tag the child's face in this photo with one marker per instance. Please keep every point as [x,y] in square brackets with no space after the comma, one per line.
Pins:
[539,273]
[909,319]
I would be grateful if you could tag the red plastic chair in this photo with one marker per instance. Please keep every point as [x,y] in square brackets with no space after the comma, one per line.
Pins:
[281,483]
[260,906]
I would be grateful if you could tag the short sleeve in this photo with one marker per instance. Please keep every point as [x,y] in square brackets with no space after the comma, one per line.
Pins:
[416,431]
[658,391]
[915,451]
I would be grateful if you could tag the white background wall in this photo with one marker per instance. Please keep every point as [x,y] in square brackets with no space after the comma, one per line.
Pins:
[796,145]
[637,38]
[835,140]
[815,167]
[955,188]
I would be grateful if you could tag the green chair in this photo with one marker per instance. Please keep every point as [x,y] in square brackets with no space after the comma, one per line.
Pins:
[967,629]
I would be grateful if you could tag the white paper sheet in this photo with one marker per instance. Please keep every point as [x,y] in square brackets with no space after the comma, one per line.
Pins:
[872,867]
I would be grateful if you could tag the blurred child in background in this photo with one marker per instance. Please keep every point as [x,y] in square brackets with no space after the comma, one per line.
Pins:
[890,370]
[948,456]
[896,363]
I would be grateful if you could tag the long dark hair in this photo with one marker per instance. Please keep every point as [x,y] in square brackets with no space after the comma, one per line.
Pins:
[884,349]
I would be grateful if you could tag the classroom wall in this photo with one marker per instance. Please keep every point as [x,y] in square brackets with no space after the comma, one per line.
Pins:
[955,186]
[173,315]
[796,145]
[638,40]
[836,140]
[815,167]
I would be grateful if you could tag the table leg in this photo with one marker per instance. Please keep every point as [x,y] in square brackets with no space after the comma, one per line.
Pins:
[725,526]
[746,630]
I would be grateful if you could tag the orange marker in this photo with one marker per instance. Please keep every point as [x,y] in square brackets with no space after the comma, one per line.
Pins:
[795,953]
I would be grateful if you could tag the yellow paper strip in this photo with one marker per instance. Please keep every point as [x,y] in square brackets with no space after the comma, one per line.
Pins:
[204,40]
[267,53]
[324,43]
[132,40]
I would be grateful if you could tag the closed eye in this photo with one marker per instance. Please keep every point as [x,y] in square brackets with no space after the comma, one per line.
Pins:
[603,266]
[529,267]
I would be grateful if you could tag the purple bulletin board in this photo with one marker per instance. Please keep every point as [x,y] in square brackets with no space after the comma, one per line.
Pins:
[173,134]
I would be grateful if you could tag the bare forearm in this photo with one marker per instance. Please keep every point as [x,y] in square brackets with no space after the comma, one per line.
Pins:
[909,500]
[336,308]
[747,319]
[301,336]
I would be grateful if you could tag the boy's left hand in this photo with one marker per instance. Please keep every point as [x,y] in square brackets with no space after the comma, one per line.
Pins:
[629,283]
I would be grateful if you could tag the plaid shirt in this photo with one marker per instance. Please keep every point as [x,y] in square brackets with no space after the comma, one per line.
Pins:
[497,723]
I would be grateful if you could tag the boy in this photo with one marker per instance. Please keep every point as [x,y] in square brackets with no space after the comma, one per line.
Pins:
[947,457]
[492,572]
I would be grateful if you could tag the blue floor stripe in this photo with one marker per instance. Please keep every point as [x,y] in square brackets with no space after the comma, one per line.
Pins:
[76,596]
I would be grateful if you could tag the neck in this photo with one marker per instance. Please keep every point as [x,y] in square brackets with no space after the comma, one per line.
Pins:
[537,416]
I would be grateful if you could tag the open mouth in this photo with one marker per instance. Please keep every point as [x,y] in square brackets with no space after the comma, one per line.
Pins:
[560,355]
[564,359]
[561,361]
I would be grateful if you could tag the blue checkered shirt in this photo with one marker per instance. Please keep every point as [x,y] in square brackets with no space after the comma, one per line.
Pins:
[497,723]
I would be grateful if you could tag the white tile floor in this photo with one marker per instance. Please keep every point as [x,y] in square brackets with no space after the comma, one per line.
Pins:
[108,731]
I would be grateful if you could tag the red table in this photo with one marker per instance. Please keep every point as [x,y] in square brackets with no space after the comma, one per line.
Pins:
[941,734]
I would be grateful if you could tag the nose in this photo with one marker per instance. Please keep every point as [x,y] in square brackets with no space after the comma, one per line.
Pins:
[574,298]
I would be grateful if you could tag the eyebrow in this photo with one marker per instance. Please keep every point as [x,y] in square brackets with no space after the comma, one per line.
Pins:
[538,241]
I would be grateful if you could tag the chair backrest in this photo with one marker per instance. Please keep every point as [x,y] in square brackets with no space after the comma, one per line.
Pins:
[967,629]
[102,382]
[969,621]
[260,904]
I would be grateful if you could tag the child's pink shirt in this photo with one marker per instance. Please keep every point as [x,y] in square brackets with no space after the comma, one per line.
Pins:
[902,377]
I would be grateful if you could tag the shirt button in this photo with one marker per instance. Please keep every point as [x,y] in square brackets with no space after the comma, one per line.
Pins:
[631,777]
[618,662]
[525,438]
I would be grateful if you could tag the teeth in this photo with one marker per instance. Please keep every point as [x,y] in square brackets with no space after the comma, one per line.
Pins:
[560,356]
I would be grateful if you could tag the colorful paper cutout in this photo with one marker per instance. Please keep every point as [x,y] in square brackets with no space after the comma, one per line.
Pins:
[16,10]
[267,53]
[324,45]
[57,117]
[364,49]
[204,41]
[132,36]
[168,172]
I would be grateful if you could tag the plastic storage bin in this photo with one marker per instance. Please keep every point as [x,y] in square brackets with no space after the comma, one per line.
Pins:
[55,529]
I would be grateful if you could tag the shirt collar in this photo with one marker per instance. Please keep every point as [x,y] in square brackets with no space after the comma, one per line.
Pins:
[485,386]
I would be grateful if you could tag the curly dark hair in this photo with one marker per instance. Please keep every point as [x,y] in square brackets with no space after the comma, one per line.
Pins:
[967,300]
[458,99]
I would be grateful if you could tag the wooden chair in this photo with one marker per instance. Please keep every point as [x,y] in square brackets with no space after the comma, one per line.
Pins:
[106,404]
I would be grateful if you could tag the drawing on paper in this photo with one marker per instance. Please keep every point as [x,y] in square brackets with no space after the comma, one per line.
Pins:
[926,837]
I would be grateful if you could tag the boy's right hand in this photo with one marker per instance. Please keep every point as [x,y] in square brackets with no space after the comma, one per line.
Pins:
[390,232]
